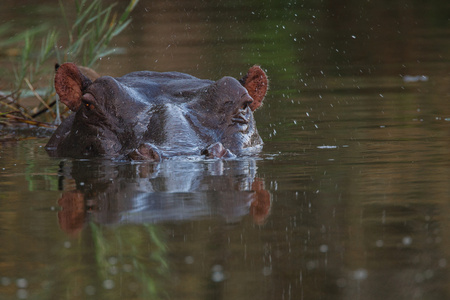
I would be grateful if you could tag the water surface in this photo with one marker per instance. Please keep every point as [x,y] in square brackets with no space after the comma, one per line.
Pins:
[348,199]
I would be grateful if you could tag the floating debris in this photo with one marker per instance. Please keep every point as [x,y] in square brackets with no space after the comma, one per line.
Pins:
[409,78]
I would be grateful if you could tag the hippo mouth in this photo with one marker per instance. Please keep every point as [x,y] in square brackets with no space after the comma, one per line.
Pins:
[240,117]
[240,120]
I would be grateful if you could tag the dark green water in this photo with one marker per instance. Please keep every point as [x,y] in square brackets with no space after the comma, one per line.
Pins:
[349,199]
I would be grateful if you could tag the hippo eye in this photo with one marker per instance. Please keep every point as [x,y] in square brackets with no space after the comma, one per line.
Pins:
[89,106]
[88,101]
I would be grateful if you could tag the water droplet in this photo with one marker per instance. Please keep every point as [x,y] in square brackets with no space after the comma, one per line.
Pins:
[217,273]
[5,281]
[429,274]
[22,283]
[407,240]
[108,284]
[323,248]
[189,260]
[112,260]
[341,282]
[22,294]
[419,278]
[127,268]
[310,265]
[360,274]
[267,271]
[113,270]
[90,290]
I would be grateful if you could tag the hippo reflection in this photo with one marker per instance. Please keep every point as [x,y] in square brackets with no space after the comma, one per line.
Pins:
[150,115]
[171,191]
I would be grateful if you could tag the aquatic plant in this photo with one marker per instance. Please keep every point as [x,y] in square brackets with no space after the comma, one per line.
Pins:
[135,253]
[88,38]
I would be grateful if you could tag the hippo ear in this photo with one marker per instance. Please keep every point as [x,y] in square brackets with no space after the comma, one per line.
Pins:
[70,84]
[256,83]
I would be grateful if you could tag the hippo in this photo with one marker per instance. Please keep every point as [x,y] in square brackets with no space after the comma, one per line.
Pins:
[150,116]
[126,193]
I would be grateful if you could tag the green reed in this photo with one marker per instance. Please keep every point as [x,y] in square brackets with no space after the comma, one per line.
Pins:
[141,249]
[86,38]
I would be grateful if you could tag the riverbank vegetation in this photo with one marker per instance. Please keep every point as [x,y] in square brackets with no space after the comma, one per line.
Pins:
[28,95]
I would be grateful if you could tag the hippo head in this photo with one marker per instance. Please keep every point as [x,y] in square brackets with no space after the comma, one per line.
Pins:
[227,107]
[143,114]
[104,118]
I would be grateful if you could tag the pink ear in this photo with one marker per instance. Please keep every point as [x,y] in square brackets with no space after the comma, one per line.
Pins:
[256,83]
[69,84]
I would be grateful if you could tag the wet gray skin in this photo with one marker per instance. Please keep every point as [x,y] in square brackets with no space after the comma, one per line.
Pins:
[150,115]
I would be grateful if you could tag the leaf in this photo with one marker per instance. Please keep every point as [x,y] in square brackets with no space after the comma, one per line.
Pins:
[88,38]
[85,13]
[128,10]
[102,12]
[119,29]
[22,36]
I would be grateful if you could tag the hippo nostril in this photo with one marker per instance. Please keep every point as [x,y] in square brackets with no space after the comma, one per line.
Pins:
[246,100]
[88,149]
[246,104]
